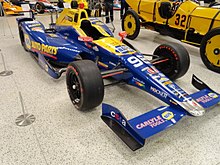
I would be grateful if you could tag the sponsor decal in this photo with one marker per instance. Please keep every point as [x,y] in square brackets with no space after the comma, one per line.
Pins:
[27,41]
[118,117]
[44,48]
[123,49]
[151,71]
[34,25]
[178,91]
[153,122]
[167,115]
[207,98]
[157,91]
[37,29]
[68,18]
[139,82]
[162,79]
[213,95]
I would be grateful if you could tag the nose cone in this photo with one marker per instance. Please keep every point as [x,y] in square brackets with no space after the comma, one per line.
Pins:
[193,107]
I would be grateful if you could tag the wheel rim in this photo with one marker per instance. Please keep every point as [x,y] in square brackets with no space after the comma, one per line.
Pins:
[75,89]
[212,50]
[130,24]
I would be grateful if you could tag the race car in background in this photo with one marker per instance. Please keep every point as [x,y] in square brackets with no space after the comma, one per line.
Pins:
[11,9]
[91,53]
[185,21]
[40,6]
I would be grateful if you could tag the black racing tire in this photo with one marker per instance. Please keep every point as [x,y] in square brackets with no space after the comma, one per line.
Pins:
[131,24]
[173,60]
[210,50]
[22,38]
[74,4]
[39,7]
[85,84]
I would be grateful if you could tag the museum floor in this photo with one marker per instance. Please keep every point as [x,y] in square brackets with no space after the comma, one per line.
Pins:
[62,135]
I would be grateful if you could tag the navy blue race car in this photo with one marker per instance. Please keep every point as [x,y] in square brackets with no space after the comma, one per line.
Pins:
[86,49]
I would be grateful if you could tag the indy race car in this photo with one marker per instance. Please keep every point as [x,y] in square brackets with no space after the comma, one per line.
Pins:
[11,9]
[87,51]
[185,21]
[40,6]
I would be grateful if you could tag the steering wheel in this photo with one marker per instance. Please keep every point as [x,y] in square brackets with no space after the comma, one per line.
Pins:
[175,6]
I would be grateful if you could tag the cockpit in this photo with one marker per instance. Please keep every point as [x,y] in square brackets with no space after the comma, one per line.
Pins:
[168,9]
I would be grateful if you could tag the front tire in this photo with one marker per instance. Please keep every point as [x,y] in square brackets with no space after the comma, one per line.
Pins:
[173,60]
[85,85]
[22,37]
[210,50]
[131,24]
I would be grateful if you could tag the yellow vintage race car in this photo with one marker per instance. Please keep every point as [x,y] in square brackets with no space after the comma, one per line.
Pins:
[11,9]
[186,21]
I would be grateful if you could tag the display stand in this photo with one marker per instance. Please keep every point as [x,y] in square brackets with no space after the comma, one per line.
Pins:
[25,119]
[5,72]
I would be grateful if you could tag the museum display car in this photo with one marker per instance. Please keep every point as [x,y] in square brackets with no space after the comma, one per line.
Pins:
[11,9]
[186,21]
[91,53]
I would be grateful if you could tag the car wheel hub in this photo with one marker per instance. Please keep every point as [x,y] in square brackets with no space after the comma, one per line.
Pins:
[216,51]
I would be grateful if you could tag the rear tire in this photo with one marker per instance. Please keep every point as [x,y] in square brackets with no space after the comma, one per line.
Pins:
[173,60]
[85,85]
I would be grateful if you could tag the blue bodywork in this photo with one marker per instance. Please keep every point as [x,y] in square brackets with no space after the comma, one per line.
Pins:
[61,45]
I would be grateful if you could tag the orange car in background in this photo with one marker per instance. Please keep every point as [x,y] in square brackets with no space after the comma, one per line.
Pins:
[10,9]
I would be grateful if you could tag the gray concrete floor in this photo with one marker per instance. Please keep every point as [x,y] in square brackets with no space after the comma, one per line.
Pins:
[62,135]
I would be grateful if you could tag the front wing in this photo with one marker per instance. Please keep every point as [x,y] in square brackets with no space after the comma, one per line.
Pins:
[134,131]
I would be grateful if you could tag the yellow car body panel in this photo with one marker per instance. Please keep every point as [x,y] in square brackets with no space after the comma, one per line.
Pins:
[201,19]
[109,43]
[74,17]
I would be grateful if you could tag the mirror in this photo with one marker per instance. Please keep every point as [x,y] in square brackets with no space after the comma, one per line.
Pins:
[122,34]
[85,38]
